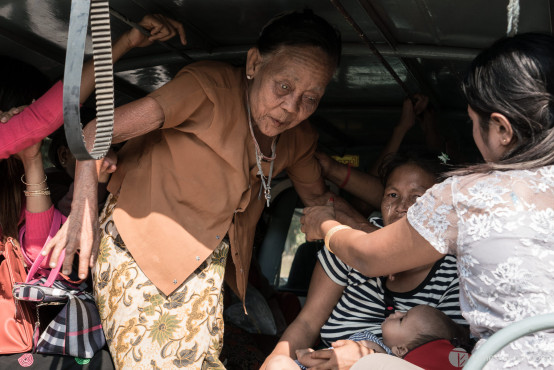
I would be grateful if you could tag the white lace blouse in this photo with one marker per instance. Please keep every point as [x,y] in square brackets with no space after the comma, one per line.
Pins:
[501,227]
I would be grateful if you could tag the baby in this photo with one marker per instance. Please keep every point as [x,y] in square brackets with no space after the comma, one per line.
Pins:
[402,332]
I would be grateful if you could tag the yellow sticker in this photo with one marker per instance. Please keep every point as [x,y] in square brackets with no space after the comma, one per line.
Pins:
[354,160]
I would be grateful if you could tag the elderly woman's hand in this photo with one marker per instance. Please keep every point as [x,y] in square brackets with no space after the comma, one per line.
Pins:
[314,219]
[328,164]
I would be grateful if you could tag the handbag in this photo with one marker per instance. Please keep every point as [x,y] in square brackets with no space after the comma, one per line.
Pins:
[16,318]
[76,330]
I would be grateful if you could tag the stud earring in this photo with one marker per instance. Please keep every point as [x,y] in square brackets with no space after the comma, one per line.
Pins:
[248,77]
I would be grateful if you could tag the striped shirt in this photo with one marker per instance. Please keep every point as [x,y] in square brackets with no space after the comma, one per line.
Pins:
[362,305]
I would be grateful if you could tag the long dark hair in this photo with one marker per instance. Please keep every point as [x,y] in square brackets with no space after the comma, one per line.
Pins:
[300,28]
[20,83]
[515,77]
[11,190]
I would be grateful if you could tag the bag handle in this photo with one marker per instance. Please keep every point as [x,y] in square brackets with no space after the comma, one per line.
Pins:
[57,221]
[53,274]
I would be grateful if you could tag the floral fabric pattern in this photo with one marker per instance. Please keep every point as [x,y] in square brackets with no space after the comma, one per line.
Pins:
[501,227]
[144,328]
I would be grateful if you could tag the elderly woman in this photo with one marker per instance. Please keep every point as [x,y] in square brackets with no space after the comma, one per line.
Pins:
[192,182]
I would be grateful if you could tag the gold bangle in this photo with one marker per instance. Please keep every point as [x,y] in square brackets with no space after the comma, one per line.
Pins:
[36,193]
[330,234]
[40,183]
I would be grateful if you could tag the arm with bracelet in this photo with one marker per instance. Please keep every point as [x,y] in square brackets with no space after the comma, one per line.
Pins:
[38,206]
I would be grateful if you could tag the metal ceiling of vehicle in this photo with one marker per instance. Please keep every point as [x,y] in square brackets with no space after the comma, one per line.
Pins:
[428,44]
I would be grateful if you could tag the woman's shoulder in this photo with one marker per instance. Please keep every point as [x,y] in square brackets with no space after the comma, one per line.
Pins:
[545,174]
[534,181]
[214,73]
[301,136]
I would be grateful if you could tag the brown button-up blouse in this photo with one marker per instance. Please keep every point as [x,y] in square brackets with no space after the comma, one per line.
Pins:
[183,188]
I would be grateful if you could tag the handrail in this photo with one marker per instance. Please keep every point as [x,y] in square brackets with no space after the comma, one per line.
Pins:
[503,337]
[103,73]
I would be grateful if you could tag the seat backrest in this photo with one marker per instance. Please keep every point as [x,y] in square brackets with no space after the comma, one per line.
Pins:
[302,267]
[271,249]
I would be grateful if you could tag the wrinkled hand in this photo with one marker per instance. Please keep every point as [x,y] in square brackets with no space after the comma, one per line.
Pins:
[5,116]
[344,354]
[314,217]
[81,230]
[327,163]
[161,28]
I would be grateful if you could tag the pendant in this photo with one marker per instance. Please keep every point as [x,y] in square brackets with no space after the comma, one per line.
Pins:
[268,195]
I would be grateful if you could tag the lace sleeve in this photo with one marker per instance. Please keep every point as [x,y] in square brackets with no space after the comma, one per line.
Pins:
[434,217]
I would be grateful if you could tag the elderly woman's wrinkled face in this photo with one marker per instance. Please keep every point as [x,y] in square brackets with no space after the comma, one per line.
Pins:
[286,86]
[405,184]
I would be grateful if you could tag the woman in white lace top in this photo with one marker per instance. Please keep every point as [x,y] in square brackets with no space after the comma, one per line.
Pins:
[497,217]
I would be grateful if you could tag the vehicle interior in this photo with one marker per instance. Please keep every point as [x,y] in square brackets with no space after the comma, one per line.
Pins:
[392,49]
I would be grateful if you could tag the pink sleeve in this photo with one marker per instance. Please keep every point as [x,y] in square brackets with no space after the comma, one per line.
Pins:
[37,228]
[32,125]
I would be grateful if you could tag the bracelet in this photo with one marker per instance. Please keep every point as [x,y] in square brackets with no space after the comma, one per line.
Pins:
[347,176]
[40,183]
[330,234]
[36,193]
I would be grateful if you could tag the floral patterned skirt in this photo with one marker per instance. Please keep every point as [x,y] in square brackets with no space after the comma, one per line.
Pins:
[146,329]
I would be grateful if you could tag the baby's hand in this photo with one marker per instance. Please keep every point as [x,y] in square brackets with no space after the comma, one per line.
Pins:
[304,356]
[372,345]
[302,352]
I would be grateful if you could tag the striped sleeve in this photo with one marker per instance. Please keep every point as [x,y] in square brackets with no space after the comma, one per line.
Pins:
[369,336]
[334,268]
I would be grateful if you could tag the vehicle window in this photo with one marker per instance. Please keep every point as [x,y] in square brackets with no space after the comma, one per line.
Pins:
[295,238]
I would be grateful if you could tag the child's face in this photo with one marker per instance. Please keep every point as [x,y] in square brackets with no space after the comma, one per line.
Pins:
[67,160]
[401,328]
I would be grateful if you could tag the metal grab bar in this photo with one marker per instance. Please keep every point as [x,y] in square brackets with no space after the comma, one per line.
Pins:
[103,72]
[505,336]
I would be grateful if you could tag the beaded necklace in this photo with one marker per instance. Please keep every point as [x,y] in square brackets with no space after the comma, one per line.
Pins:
[266,181]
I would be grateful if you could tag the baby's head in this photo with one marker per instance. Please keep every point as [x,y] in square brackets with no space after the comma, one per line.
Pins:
[404,331]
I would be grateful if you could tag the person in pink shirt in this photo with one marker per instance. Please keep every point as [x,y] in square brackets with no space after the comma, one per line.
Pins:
[24,193]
